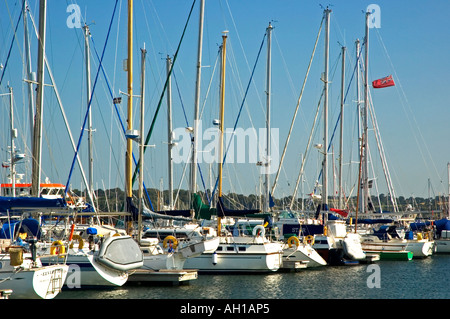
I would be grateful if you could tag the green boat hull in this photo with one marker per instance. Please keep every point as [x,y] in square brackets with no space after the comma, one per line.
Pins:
[400,255]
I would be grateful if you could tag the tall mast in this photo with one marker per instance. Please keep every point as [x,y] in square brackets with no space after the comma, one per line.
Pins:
[169,131]
[341,145]
[141,144]
[88,98]
[128,162]
[37,134]
[13,134]
[196,134]
[448,203]
[325,113]
[268,89]
[358,109]
[222,119]
[365,170]
[29,73]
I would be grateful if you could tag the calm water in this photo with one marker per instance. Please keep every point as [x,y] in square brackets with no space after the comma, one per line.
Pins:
[416,279]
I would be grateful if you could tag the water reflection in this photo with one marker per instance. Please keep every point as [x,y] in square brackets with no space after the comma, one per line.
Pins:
[418,278]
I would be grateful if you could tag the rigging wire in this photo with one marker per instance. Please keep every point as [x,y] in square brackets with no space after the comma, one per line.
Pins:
[240,109]
[296,110]
[162,93]
[407,107]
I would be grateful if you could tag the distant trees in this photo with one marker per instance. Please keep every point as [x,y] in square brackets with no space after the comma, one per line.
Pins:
[114,199]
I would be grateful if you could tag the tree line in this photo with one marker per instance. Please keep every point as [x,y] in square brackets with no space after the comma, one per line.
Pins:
[114,199]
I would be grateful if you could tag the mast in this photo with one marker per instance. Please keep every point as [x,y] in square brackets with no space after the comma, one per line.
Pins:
[448,203]
[341,145]
[141,144]
[128,161]
[358,109]
[169,131]
[193,174]
[268,88]
[365,170]
[222,119]
[37,132]
[88,97]
[325,113]
[13,134]
[29,70]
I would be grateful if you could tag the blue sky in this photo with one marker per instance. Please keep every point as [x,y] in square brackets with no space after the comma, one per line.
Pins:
[412,44]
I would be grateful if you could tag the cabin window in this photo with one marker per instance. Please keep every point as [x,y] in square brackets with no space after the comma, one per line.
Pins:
[230,248]
[242,248]
[219,248]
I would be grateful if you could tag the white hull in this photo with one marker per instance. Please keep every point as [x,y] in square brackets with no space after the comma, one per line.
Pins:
[155,258]
[303,253]
[35,283]
[85,272]
[173,261]
[239,254]
[419,248]
[442,246]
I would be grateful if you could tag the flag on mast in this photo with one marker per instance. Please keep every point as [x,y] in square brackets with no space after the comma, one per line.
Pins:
[383,82]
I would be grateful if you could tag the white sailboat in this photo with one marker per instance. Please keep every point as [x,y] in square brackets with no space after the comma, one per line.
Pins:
[420,247]
[22,271]
[30,280]
[303,252]
[236,252]
[246,249]
[172,255]
[297,248]
[442,241]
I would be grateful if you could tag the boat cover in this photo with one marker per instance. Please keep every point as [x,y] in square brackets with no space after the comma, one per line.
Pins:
[222,211]
[442,224]
[28,225]
[20,204]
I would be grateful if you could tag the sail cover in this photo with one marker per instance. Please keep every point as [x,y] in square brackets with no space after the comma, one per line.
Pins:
[20,204]
[222,211]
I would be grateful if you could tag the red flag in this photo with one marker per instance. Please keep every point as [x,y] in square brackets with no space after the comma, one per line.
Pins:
[341,212]
[383,82]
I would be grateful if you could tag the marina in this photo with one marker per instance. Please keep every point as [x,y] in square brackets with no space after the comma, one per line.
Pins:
[415,279]
[210,191]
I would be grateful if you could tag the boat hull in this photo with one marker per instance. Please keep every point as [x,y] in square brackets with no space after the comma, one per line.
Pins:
[442,246]
[239,254]
[304,254]
[164,261]
[419,248]
[35,283]
[85,272]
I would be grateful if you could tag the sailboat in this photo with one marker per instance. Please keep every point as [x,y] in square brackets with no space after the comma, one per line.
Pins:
[330,239]
[388,241]
[442,240]
[21,270]
[172,254]
[103,256]
[237,251]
